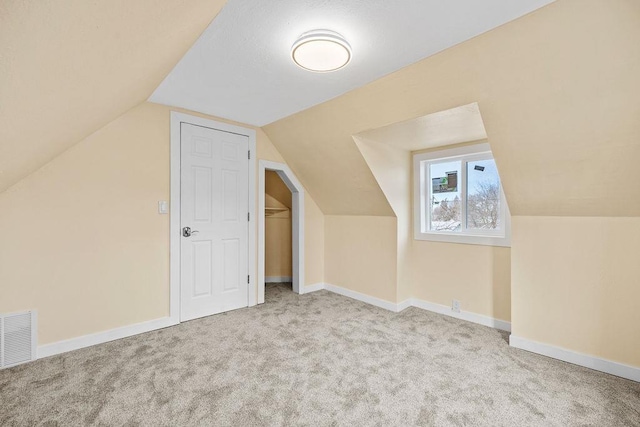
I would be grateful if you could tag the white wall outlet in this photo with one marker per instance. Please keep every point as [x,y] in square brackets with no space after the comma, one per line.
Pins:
[163,207]
[455,306]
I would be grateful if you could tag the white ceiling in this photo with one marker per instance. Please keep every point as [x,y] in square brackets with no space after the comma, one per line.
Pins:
[454,126]
[240,68]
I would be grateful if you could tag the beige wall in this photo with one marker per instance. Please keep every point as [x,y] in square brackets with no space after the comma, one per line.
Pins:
[576,284]
[82,241]
[70,67]
[277,227]
[314,243]
[477,276]
[276,188]
[277,245]
[558,93]
[391,168]
[360,254]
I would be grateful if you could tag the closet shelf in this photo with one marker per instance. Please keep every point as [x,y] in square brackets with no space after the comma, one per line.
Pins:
[273,211]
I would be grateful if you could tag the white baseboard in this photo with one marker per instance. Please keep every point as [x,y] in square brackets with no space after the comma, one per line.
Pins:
[47,350]
[603,365]
[387,305]
[277,279]
[463,315]
[592,362]
[404,304]
[313,288]
[413,302]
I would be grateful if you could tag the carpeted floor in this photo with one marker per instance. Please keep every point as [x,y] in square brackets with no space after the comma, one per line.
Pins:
[316,360]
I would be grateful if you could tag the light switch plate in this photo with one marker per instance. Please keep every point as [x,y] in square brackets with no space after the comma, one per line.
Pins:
[163,207]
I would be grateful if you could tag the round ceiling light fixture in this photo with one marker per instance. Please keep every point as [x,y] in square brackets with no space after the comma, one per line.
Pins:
[321,51]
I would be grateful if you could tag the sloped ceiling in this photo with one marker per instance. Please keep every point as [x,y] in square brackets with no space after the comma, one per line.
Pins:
[68,67]
[241,68]
[277,189]
[387,150]
[452,126]
[559,96]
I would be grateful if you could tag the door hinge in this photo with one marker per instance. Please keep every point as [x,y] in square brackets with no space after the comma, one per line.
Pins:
[248,279]
[249,154]
[248,216]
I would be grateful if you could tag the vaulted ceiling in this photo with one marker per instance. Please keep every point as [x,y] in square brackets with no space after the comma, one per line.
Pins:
[241,69]
[452,126]
[559,96]
[68,67]
[557,88]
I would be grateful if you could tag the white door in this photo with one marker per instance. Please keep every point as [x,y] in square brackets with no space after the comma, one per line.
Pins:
[214,210]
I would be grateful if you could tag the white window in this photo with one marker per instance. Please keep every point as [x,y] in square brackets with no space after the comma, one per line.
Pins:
[459,198]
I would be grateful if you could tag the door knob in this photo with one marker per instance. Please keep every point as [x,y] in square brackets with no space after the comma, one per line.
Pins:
[188,232]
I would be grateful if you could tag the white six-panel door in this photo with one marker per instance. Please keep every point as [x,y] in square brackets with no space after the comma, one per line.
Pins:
[214,206]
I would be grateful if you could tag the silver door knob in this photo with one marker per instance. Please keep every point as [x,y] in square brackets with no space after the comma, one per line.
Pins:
[188,232]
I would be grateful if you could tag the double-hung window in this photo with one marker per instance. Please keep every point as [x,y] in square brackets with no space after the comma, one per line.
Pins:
[459,198]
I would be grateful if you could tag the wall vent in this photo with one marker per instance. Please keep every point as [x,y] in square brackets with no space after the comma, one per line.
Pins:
[18,338]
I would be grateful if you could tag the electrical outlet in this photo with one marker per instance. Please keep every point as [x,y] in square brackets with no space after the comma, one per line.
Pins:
[455,306]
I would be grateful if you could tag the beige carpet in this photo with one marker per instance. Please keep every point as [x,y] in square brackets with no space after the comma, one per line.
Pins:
[314,360]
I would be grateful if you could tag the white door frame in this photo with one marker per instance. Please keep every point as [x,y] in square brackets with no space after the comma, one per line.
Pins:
[174,229]
[297,224]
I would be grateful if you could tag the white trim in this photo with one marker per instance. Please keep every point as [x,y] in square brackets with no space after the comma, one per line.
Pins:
[419,201]
[480,319]
[174,220]
[387,305]
[592,362]
[297,225]
[174,229]
[445,153]
[313,288]
[47,350]
[404,305]
[253,279]
[277,279]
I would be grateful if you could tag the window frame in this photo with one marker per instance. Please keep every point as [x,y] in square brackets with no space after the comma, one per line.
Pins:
[422,192]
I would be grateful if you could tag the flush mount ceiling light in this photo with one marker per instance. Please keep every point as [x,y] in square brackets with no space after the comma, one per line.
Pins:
[321,51]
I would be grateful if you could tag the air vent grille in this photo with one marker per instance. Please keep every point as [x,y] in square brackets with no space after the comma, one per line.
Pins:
[17,338]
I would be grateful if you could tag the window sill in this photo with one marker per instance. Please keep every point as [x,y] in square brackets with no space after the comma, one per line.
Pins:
[465,239]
